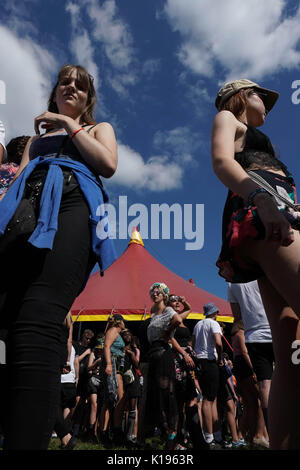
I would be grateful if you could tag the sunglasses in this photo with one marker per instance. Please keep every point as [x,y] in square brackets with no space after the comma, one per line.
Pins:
[175,298]
[155,293]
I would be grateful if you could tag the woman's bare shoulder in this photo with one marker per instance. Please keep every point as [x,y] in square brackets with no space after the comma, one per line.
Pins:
[101,126]
[224,116]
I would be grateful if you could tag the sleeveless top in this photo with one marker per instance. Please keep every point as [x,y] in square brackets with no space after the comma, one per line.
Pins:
[50,145]
[258,150]
[118,346]
[183,336]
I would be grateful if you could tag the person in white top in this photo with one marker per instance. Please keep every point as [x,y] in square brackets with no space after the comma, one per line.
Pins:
[2,144]
[207,344]
[246,304]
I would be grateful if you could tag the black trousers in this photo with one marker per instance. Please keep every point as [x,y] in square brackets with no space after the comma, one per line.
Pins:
[39,288]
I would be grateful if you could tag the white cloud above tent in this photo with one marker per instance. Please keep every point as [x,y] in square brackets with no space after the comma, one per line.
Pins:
[243,38]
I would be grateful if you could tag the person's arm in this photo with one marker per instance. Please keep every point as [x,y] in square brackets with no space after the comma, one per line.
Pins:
[110,337]
[90,364]
[224,131]
[98,148]
[186,309]
[70,337]
[85,353]
[133,357]
[240,339]
[94,363]
[219,346]
[137,355]
[236,311]
[189,361]
[76,367]
[175,321]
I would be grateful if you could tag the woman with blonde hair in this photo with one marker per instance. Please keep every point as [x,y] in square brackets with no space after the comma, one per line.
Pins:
[161,399]
[50,244]
[261,237]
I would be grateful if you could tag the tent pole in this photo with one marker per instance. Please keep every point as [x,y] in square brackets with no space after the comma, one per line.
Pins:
[79,331]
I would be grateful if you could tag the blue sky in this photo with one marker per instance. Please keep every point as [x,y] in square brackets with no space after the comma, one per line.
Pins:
[157,65]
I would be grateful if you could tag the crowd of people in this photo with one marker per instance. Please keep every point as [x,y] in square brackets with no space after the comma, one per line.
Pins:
[184,386]
[118,389]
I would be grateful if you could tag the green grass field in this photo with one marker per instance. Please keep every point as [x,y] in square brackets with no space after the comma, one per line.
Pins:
[156,443]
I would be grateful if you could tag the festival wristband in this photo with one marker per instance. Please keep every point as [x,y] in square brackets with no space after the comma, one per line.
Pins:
[74,133]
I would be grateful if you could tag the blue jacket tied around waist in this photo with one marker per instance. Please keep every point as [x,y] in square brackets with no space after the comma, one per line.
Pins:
[44,233]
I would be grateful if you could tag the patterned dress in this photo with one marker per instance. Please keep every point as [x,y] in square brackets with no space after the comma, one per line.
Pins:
[241,222]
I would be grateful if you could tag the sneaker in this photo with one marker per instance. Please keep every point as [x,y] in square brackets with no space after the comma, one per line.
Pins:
[213,445]
[227,444]
[235,445]
[131,440]
[262,441]
[242,442]
[239,443]
[179,447]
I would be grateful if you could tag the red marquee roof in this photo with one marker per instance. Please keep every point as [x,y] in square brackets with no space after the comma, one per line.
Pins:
[124,288]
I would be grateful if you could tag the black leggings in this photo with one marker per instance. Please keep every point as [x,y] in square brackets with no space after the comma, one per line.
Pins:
[40,287]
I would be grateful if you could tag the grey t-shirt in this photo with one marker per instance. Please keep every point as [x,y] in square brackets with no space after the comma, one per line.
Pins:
[159,324]
[257,328]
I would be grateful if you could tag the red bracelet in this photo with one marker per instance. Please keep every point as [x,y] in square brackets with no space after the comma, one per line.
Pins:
[74,133]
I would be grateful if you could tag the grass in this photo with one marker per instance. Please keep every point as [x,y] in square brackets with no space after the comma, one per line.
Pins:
[154,443]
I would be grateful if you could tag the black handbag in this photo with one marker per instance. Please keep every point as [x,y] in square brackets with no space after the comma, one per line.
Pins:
[23,222]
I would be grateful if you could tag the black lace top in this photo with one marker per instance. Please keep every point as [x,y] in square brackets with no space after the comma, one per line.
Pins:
[258,150]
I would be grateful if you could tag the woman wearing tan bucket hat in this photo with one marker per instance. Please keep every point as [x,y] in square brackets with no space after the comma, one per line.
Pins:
[261,237]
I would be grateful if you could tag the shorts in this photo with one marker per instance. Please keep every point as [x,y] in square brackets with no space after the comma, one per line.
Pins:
[240,224]
[262,358]
[68,395]
[94,385]
[209,379]
[241,369]
[224,393]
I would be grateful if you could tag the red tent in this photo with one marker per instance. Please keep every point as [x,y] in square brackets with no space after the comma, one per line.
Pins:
[125,288]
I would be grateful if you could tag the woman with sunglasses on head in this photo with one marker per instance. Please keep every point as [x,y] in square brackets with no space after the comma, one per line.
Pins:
[261,237]
[161,408]
[58,183]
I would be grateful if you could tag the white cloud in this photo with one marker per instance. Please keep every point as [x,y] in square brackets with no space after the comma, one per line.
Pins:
[159,173]
[180,144]
[249,39]
[109,36]
[114,38]
[27,70]
[81,43]
[112,32]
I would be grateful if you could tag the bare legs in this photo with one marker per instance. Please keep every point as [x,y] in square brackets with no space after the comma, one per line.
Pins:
[280,291]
